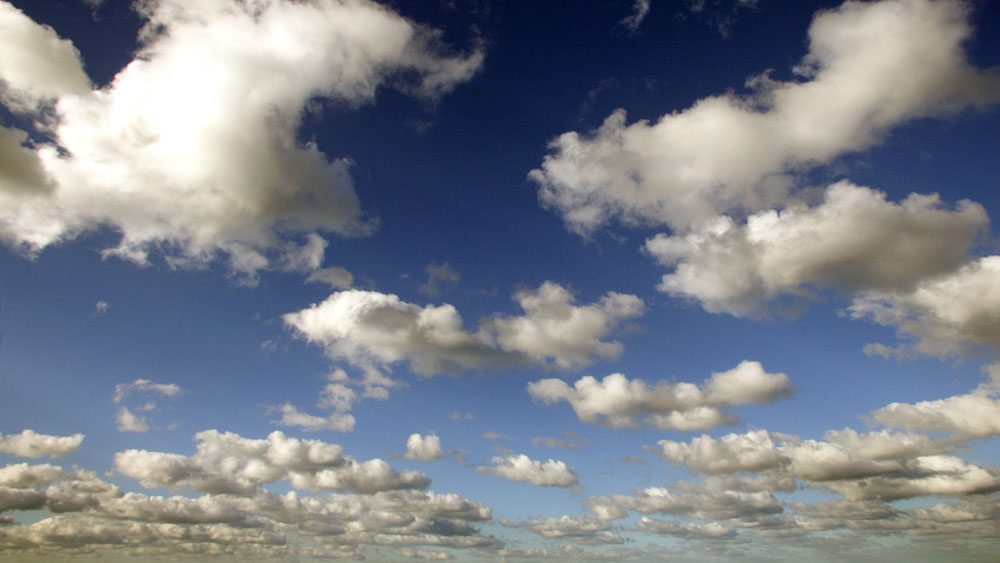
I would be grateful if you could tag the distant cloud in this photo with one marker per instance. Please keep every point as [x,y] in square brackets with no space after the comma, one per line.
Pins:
[521,468]
[585,530]
[101,307]
[440,279]
[123,390]
[618,402]
[496,436]
[336,421]
[455,415]
[128,422]
[31,444]
[335,277]
[248,189]
[632,21]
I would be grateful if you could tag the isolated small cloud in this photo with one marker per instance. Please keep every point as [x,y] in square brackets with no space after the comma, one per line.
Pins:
[619,402]
[631,22]
[521,468]
[423,447]
[128,422]
[335,277]
[101,307]
[31,444]
[123,390]
[335,421]
[440,279]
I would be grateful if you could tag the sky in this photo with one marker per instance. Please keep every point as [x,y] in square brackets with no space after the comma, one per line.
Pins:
[499,281]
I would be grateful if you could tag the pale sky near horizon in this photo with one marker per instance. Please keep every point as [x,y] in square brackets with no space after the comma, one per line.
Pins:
[477,280]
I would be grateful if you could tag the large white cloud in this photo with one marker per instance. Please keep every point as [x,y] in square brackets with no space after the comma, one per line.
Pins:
[519,467]
[870,66]
[373,330]
[974,415]
[853,240]
[192,148]
[32,444]
[620,403]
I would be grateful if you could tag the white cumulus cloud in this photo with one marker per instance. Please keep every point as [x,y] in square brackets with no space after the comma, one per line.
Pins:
[32,444]
[519,467]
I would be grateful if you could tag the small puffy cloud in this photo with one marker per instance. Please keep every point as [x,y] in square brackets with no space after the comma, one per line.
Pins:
[129,422]
[620,403]
[521,468]
[947,315]
[101,307]
[455,415]
[192,149]
[854,240]
[554,327]
[423,448]
[336,421]
[335,277]
[374,330]
[31,444]
[440,278]
[870,67]
[123,390]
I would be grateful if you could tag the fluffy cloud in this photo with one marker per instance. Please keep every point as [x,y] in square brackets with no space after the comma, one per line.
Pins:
[853,240]
[423,448]
[553,327]
[519,467]
[706,531]
[31,444]
[947,315]
[227,463]
[617,402]
[192,148]
[129,422]
[870,67]
[373,330]
[975,415]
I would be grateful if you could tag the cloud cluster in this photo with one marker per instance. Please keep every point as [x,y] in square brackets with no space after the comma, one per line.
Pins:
[620,403]
[91,514]
[853,240]
[192,149]
[374,330]
[870,67]
[519,467]
[585,530]
[226,463]
[32,444]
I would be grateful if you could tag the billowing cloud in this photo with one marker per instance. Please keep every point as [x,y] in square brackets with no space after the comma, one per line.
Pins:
[853,240]
[373,330]
[870,67]
[620,403]
[31,444]
[519,467]
[554,327]
[947,315]
[423,447]
[192,149]
[227,463]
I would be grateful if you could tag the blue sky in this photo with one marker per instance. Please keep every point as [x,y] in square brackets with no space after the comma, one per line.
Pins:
[472,280]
